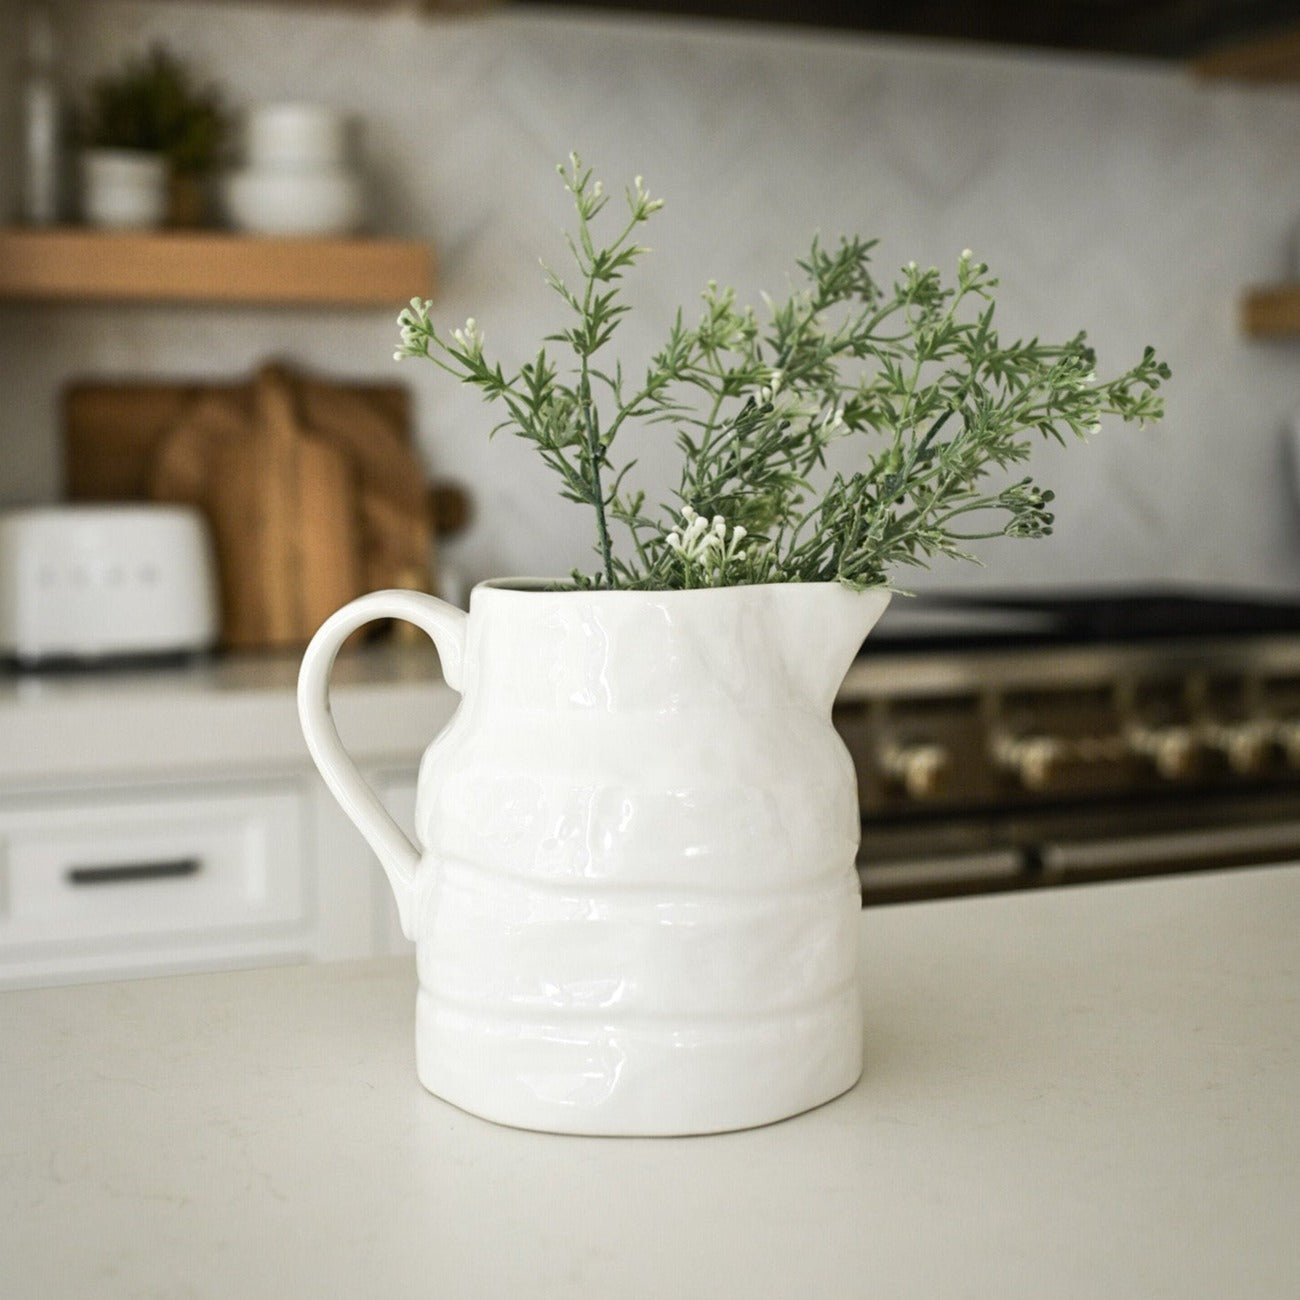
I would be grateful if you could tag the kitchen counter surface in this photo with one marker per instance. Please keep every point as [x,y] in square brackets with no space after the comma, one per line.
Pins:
[69,726]
[1069,1093]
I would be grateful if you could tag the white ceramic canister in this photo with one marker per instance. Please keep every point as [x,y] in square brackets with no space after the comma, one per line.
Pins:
[270,201]
[297,179]
[295,135]
[634,899]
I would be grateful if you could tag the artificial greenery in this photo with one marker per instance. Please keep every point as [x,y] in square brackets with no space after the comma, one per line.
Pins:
[152,104]
[915,370]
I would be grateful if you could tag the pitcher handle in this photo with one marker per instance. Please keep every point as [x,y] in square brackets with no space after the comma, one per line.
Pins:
[445,625]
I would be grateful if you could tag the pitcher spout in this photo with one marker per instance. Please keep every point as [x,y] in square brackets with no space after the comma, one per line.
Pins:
[822,626]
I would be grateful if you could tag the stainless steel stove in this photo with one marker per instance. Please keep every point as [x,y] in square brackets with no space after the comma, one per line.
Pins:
[1021,741]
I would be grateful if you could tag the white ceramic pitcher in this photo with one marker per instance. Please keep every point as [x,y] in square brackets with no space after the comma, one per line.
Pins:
[634,902]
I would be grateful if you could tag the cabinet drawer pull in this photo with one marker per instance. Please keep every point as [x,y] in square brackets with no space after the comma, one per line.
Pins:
[118,872]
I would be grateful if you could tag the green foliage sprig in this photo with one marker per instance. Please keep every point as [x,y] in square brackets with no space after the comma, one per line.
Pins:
[152,104]
[916,369]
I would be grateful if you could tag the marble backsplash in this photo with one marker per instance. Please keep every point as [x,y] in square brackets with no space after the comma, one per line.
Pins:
[1118,196]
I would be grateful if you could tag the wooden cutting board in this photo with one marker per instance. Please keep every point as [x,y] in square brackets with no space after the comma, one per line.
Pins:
[111,431]
[312,490]
[283,507]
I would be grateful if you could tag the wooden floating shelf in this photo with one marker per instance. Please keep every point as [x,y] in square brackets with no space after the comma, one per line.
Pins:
[76,265]
[1272,312]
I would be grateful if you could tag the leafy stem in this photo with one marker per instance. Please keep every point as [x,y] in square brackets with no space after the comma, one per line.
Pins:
[941,407]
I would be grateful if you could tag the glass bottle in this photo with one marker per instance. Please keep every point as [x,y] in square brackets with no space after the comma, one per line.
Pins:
[42,169]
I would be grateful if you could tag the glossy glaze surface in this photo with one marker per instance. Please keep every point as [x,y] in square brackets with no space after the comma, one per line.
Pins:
[635,901]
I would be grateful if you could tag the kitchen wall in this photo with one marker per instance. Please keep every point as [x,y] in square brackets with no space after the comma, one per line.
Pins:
[1118,196]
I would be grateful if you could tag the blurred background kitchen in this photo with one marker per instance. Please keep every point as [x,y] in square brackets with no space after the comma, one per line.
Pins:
[1116,192]
[1118,166]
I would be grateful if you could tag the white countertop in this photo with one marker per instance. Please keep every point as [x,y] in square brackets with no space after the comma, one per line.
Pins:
[1081,1093]
[62,727]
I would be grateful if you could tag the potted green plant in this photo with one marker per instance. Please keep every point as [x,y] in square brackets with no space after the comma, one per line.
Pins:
[150,138]
[632,889]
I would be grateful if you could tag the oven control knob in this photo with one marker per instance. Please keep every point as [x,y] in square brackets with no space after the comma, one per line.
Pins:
[1246,745]
[1174,751]
[1287,733]
[921,768]
[1034,759]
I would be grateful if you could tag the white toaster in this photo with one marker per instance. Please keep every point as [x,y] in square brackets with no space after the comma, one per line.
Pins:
[92,582]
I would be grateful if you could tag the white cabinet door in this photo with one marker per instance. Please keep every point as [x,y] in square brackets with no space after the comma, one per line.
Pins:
[150,879]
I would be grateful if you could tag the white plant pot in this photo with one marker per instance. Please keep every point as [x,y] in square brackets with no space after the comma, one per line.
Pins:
[124,189]
[634,899]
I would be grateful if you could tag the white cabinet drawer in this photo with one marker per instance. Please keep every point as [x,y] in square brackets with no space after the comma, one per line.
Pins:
[116,872]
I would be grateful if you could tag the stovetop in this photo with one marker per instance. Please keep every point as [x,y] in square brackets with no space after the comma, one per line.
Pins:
[960,621]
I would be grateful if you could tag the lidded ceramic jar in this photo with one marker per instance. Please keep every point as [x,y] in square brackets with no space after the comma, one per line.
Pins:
[298,178]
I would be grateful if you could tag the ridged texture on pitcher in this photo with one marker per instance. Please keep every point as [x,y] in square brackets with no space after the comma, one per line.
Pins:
[638,910]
